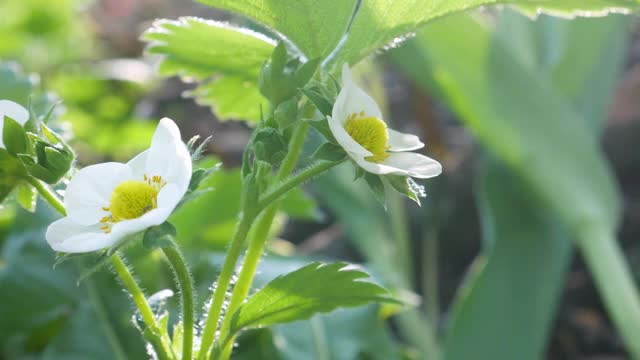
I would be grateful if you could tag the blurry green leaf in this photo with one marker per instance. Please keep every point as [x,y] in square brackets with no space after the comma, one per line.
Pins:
[566,56]
[315,27]
[358,333]
[228,66]
[27,196]
[517,280]
[301,294]
[512,112]
[255,344]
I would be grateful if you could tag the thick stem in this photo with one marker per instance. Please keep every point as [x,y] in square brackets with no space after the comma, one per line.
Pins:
[616,285]
[224,279]
[185,282]
[139,299]
[261,232]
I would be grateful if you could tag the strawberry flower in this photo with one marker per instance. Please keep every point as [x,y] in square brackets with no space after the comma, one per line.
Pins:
[357,125]
[108,201]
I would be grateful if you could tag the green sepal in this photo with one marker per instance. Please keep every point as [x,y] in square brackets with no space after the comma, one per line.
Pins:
[359,172]
[269,145]
[159,236]
[12,172]
[319,100]
[305,71]
[376,186]
[27,196]
[322,127]
[329,152]
[406,186]
[198,175]
[14,137]
[286,113]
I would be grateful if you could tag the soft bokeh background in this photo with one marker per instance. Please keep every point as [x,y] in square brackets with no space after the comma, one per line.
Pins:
[89,55]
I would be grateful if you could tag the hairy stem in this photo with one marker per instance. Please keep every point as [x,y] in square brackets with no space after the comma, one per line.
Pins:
[185,282]
[140,300]
[48,195]
[224,279]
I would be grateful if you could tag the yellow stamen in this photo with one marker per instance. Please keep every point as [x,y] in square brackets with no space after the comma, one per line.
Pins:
[371,133]
[132,199]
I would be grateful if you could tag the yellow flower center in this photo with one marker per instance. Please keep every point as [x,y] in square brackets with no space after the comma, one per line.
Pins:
[132,199]
[371,133]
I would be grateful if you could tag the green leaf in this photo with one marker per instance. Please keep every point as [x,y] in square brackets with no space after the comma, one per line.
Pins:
[14,137]
[159,236]
[303,293]
[537,251]
[381,23]
[27,196]
[227,60]
[516,280]
[574,8]
[329,152]
[315,27]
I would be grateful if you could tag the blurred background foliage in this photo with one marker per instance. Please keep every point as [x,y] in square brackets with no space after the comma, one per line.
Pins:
[504,102]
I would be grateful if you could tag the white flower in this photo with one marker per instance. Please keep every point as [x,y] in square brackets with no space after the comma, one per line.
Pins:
[14,111]
[356,123]
[106,202]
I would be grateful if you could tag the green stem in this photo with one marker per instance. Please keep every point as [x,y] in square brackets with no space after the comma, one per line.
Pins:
[185,282]
[140,300]
[121,268]
[616,285]
[48,195]
[219,294]
[261,230]
[298,179]
[399,223]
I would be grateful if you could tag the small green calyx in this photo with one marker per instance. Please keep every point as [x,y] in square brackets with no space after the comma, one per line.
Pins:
[132,199]
[371,133]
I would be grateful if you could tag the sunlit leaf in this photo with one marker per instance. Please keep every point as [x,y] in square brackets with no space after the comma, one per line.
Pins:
[301,294]
[225,59]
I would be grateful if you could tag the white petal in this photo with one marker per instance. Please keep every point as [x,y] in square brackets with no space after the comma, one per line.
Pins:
[353,99]
[403,142]
[67,236]
[14,110]
[138,165]
[168,156]
[90,190]
[344,139]
[169,197]
[128,227]
[405,163]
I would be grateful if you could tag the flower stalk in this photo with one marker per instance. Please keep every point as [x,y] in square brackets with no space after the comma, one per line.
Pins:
[185,282]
